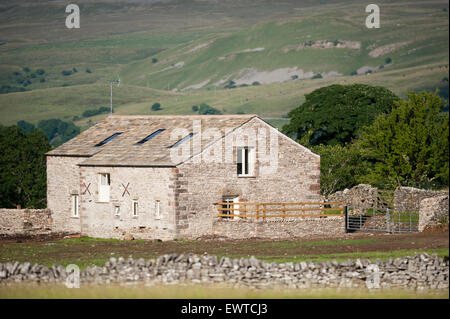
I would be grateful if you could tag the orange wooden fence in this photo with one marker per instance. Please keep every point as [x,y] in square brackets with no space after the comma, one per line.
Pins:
[280,210]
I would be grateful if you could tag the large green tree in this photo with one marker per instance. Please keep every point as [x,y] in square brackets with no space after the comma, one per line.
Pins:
[22,168]
[333,115]
[340,166]
[409,146]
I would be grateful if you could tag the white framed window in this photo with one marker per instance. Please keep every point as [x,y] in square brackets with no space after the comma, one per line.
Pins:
[116,210]
[75,206]
[158,209]
[104,183]
[245,161]
[134,208]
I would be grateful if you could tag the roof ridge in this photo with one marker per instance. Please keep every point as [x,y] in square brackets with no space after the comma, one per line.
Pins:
[183,116]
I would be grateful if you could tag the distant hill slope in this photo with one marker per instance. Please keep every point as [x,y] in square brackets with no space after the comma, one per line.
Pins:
[183,53]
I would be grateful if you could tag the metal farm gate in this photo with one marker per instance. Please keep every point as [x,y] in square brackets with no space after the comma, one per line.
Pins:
[380,219]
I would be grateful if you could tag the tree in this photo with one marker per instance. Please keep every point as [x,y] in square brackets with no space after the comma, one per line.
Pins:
[156,107]
[205,109]
[154,60]
[195,108]
[58,131]
[26,126]
[388,60]
[340,167]
[409,146]
[333,114]
[23,168]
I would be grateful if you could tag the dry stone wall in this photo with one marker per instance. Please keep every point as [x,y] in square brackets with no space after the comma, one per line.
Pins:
[28,222]
[362,195]
[433,212]
[409,198]
[414,272]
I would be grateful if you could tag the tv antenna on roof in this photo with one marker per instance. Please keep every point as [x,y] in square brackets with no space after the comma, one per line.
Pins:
[111,86]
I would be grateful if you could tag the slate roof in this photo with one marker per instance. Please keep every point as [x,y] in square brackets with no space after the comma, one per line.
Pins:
[122,151]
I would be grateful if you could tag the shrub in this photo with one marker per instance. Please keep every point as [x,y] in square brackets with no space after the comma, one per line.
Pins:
[256,83]
[66,72]
[230,85]
[10,89]
[354,73]
[42,80]
[33,76]
[205,109]
[195,108]
[88,71]
[317,76]
[156,107]
[294,77]
[26,69]
[40,71]
[388,60]
[154,60]
[74,70]
[92,112]
[17,73]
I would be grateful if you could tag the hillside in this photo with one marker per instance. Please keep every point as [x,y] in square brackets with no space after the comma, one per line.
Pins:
[183,53]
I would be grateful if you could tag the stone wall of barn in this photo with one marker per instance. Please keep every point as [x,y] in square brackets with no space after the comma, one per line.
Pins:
[146,185]
[279,229]
[200,185]
[63,180]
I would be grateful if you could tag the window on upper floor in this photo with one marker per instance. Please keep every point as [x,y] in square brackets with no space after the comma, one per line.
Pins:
[245,161]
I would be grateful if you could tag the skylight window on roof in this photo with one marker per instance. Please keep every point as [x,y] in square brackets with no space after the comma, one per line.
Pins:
[182,140]
[149,137]
[108,139]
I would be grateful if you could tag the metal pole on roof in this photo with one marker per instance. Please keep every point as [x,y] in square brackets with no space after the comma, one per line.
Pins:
[110,96]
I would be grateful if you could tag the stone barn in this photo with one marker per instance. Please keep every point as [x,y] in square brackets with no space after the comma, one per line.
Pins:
[160,177]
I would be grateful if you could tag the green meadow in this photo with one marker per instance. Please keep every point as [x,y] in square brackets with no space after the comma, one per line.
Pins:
[182,54]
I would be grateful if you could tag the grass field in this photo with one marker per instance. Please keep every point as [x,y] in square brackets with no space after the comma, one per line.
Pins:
[208,292]
[87,251]
[204,45]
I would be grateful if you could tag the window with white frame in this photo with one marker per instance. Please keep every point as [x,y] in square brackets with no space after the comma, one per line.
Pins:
[134,208]
[104,183]
[117,210]
[158,209]
[75,205]
[245,161]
